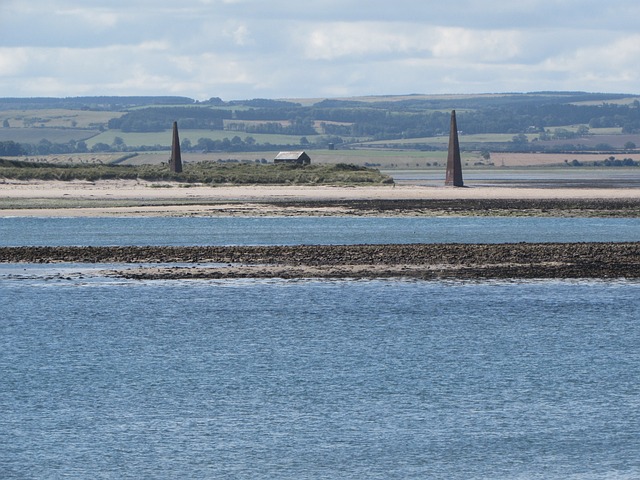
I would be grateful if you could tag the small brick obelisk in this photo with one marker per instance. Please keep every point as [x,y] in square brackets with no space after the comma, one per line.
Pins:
[175,163]
[454,162]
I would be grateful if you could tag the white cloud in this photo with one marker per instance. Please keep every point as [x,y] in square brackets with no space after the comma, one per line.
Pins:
[374,39]
[243,48]
[95,17]
[477,45]
[328,42]
[13,61]
[614,63]
[238,32]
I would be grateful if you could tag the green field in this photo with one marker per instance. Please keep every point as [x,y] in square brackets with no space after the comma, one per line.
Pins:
[164,138]
[378,130]
[57,118]
[443,140]
[53,135]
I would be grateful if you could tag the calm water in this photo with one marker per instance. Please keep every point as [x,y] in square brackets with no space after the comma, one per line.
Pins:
[527,178]
[310,230]
[106,378]
[103,378]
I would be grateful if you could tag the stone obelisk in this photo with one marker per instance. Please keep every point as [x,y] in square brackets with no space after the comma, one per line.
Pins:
[454,162]
[175,163]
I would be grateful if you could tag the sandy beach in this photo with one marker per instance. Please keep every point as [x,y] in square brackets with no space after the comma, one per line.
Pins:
[132,198]
[139,198]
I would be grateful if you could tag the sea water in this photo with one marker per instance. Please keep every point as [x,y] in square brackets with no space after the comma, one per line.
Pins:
[308,379]
[249,379]
[20,231]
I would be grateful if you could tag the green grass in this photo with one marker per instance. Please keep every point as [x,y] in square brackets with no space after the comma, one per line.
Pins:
[135,139]
[57,118]
[204,172]
[377,158]
[54,135]
[444,139]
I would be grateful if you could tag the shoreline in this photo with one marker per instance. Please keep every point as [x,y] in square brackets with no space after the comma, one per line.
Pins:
[136,198]
[419,261]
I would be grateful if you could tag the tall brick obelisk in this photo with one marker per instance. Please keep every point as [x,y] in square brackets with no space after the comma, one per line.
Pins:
[454,162]
[175,163]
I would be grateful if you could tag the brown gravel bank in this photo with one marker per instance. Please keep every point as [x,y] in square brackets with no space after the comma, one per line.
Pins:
[371,207]
[549,207]
[521,260]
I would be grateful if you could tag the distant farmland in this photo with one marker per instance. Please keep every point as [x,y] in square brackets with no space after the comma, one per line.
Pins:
[401,132]
[136,139]
[53,135]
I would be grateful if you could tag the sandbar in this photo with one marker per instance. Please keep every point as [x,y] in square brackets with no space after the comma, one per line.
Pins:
[416,261]
[140,198]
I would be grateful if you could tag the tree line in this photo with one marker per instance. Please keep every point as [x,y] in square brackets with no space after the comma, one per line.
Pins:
[337,121]
[382,121]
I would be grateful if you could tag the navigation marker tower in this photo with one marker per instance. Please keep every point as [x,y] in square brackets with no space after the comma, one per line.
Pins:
[454,162]
[175,163]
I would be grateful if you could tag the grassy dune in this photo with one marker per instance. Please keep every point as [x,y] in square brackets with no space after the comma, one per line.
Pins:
[204,172]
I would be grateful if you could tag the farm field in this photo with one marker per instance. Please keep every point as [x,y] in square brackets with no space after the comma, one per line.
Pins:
[163,139]
[135,139]
[386,132]
[53,135]
[611,137]
[57,118]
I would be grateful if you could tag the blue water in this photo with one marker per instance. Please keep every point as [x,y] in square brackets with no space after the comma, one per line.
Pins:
[574,178]
[311,230]
[251,379]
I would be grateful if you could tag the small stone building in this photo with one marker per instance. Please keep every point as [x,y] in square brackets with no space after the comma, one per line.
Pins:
[299,158]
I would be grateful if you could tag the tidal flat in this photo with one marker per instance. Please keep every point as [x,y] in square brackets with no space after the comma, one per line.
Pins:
[421,261]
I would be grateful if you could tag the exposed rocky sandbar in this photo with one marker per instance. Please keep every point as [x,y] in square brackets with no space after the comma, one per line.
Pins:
[521,260]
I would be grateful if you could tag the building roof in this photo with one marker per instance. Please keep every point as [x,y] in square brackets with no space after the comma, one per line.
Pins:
[289,155]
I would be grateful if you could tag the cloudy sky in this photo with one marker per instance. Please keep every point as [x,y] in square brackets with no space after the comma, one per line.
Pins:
[239,49]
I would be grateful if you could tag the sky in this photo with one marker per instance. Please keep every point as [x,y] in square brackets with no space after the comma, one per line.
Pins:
[243,49]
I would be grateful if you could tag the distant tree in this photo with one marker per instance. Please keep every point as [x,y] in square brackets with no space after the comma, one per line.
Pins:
[5,124]
[11,149]
[631,126]
[206,144]
[185,145]
[563,134]
[603,147]
[304,141]
[520,139]
[101,147]
[118,144]
[44,147]
[544,135]
[629,146]
[582,131]
[485,154]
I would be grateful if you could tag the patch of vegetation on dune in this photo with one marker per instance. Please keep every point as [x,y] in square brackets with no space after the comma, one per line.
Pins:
[212,173]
